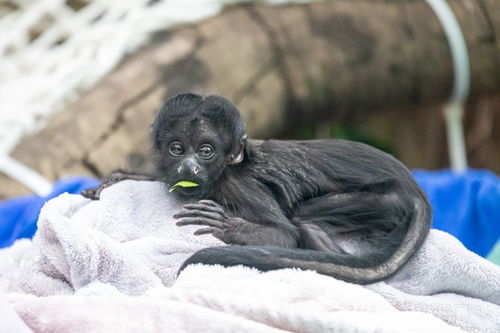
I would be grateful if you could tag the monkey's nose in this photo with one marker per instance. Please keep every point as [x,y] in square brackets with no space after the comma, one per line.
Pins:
[189,167]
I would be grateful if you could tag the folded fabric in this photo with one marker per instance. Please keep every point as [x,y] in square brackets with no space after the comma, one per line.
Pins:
[18,216]
[9,319]
[120,255]
[212,299]
[128,236]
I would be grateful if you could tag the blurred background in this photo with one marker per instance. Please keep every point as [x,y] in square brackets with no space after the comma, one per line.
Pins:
[80,81]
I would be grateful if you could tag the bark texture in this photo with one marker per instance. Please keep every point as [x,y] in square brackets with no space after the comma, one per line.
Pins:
[367,62]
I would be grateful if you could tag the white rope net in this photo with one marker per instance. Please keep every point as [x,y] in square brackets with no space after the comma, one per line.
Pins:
[52,50]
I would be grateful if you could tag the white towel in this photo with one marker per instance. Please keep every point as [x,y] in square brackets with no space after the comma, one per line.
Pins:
[127,240]
[119,256]
[449,281]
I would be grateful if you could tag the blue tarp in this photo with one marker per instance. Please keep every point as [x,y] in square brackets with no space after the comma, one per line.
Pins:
[18,216]
[466,205]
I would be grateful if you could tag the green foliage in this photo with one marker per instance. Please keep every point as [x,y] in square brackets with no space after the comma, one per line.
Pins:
[344,131]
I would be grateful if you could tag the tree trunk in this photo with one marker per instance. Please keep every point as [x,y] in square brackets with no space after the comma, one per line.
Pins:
[283,66]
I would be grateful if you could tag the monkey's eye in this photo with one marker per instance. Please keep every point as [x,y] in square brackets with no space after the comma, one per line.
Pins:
[176,149]
[206,151]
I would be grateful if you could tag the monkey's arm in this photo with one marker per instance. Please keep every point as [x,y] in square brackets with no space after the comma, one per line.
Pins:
[237,230]
[115,177]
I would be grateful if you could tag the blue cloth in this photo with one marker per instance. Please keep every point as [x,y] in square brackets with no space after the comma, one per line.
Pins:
[18,216]
[465,205]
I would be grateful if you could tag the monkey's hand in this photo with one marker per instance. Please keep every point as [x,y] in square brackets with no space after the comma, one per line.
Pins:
[115,177]
[216,221]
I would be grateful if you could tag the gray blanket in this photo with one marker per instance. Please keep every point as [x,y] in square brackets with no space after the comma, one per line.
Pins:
[119,256]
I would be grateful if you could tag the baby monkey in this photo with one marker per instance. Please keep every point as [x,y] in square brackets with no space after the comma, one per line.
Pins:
[341,208]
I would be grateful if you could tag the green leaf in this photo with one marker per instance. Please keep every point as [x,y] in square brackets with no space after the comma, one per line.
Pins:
[183,183]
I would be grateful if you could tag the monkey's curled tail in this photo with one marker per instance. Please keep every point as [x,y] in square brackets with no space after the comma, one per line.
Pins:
[342,266]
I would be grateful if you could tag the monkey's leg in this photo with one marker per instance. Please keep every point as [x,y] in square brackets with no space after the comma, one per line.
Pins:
[115,177]
[357,223]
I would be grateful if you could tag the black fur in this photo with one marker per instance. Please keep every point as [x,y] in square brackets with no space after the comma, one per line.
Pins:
[341,208]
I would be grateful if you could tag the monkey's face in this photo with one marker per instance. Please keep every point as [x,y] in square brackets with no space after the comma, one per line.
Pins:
[191,150]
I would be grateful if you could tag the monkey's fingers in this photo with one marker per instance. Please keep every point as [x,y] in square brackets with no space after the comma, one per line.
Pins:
[91,193]
[200,221]
[198,213]
[209,203]
[206,208]
[204,231]
[95,192]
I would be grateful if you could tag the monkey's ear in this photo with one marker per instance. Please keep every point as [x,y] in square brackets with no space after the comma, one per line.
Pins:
[241,152]
[239,157]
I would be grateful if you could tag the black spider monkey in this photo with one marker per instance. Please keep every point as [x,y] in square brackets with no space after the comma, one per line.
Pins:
[341,208]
